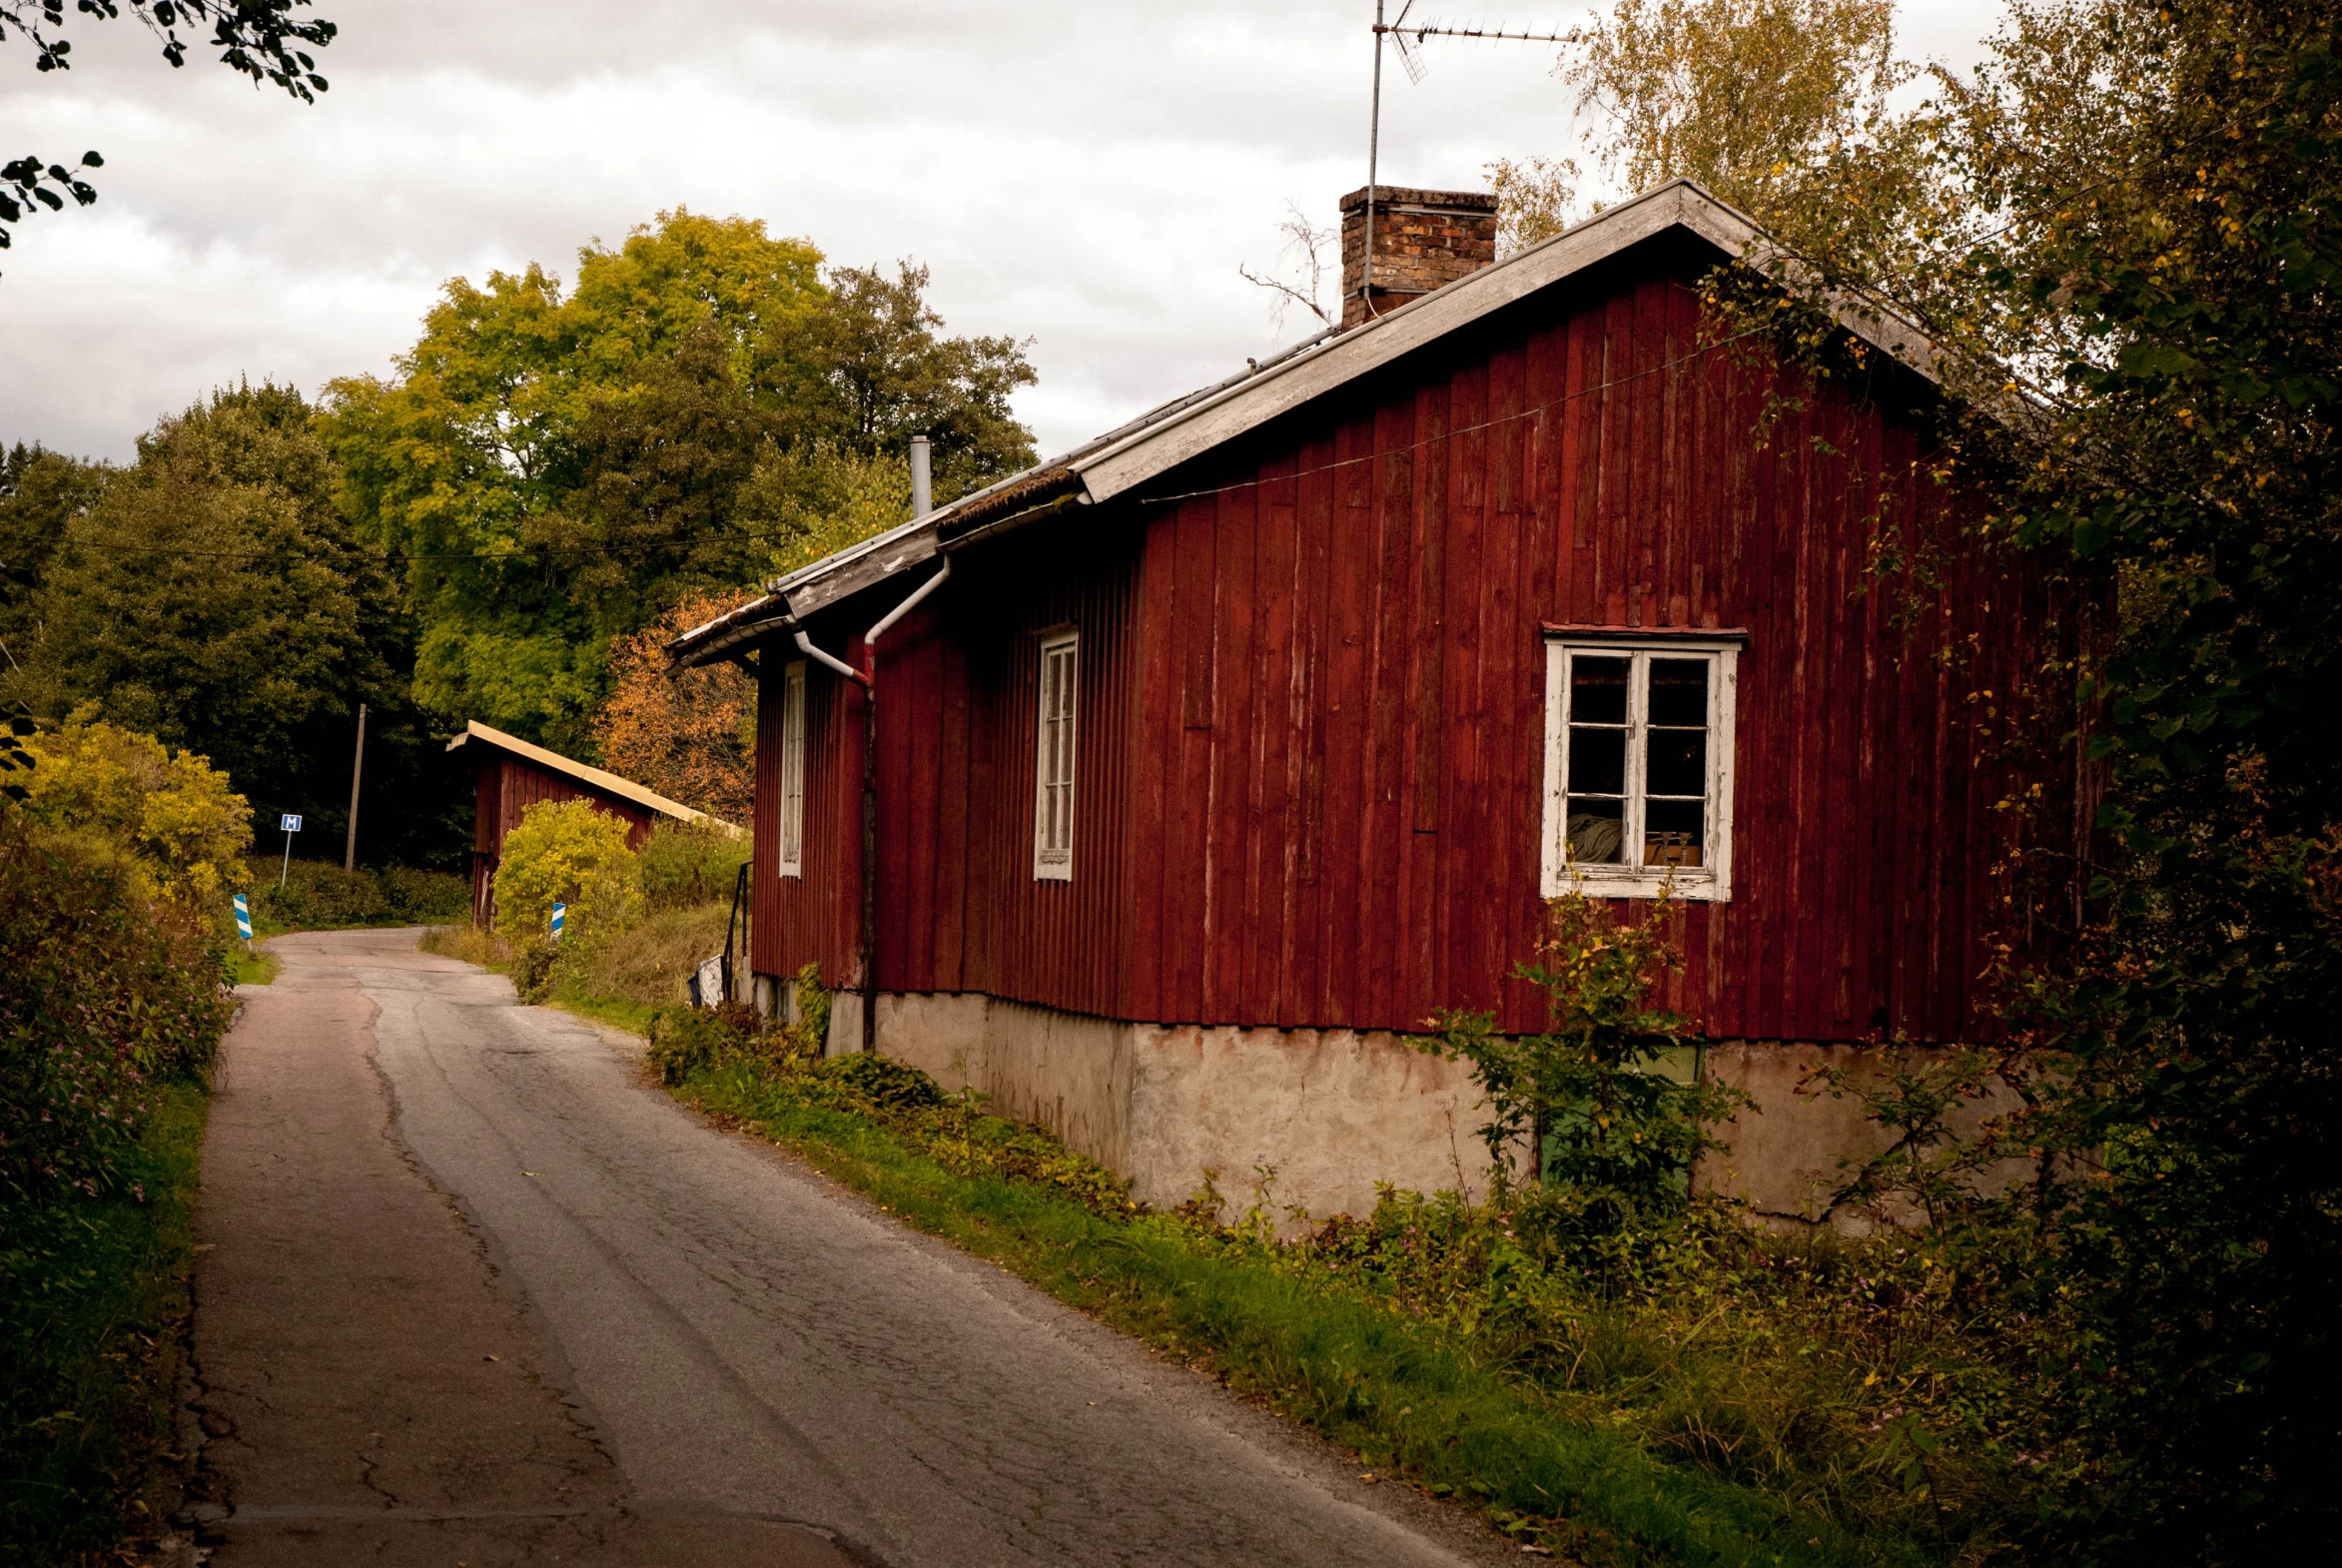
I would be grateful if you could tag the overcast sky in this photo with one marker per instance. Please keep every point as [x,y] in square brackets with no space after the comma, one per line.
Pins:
[1087,175]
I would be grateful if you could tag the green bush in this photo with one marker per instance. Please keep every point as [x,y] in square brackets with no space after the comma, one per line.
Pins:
[103,994]
[111,1008]
[1615,1135]
[171,814]
[685,1040]
[90,1294]
[532,966]
[880,1083]
[685,864]
[809,1036]
[318,894]
[415,897]
[569,853]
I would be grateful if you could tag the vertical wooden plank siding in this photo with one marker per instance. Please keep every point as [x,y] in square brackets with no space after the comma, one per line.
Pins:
[1310,690]
[958,907]
[1371,850]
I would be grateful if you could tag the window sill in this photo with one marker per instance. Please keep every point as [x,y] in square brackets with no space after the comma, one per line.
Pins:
[1700,885]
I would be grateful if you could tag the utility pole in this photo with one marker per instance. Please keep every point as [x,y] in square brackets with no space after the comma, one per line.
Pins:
[356,766]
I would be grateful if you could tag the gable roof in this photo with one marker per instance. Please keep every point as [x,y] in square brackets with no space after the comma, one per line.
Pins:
[1185,427]
[608,783]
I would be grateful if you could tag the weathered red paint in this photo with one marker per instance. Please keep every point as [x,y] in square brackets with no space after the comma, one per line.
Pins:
[1311,703]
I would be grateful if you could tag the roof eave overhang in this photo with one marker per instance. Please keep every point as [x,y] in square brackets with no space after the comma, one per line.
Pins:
[730,635]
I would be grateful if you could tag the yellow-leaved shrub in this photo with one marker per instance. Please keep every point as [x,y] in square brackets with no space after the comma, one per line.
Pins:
[178,828]
[564,852]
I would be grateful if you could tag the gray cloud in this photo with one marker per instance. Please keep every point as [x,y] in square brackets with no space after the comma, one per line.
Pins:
[1085,175]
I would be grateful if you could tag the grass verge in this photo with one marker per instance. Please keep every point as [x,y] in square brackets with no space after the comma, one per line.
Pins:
[1412,1401]
[91,1296]
[250,969]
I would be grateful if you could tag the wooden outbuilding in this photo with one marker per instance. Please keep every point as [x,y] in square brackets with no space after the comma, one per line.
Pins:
[1217,753]
[514,774]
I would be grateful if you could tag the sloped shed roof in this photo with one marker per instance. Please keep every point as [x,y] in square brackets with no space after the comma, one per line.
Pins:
[597,778]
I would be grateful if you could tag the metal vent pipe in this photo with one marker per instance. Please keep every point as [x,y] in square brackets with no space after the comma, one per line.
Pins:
[921,479]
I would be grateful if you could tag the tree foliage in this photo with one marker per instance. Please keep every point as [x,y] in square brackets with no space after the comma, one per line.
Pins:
[181,829]
[566,852]
[560,468]
[213,594]
[1786,109]
[42,493]
[2121,235]
[2162,272]
[693,737]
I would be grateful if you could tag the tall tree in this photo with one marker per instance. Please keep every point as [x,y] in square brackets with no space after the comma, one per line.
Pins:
[1785,108]
[2129,263]
[2121,233]
[211,594]
[513,442]
[560,468]
[2156,260]
[692,737]
[41,495]
[869,369]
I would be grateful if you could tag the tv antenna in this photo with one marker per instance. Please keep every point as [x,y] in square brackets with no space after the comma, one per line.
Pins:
[1410,55]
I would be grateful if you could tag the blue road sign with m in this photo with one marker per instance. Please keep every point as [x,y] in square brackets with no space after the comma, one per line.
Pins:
[290,824]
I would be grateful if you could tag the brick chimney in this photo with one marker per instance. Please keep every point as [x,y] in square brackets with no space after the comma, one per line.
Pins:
[1422,239]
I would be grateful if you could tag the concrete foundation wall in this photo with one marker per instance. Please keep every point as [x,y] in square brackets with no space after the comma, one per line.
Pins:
[1794,1151]
[1332,1112]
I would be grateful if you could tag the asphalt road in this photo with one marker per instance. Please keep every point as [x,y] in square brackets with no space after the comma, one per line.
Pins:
[472,1292]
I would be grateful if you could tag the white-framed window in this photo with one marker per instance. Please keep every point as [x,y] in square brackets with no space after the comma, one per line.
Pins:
[1638,764]
[1052,804]
[792,825]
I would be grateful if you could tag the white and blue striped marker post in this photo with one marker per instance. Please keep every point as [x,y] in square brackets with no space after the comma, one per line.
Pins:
[559,910]
[243,920]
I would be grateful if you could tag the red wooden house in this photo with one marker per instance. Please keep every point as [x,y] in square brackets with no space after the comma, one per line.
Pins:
[1216,753]
[515,775]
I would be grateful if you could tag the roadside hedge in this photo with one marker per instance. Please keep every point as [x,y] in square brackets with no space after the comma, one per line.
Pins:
[104,995]
[319,895]
[111,1008]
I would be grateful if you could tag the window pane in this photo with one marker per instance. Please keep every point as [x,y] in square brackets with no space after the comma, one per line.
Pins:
[1597,691]
[1597,761]
[1677,760]
[1679,691]
[1591,831]
[1674,833]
